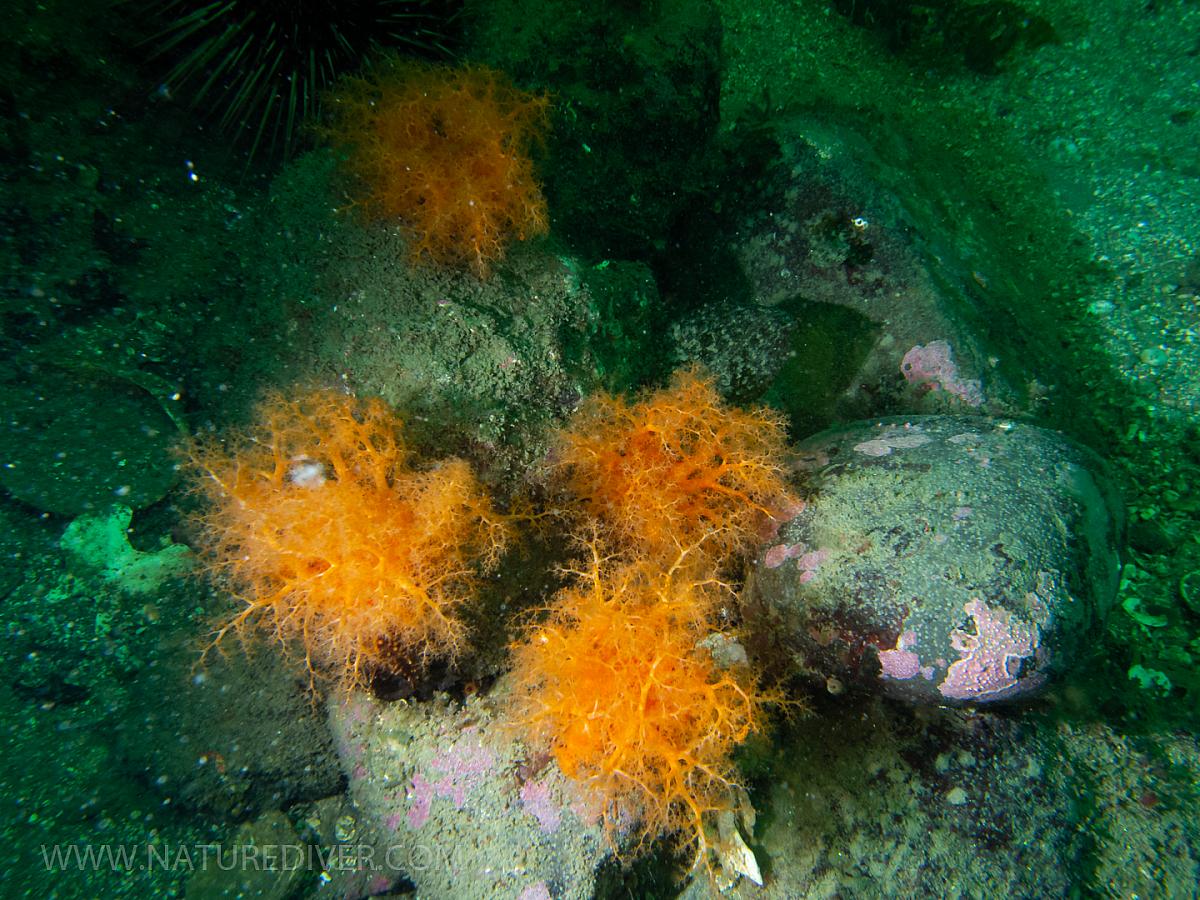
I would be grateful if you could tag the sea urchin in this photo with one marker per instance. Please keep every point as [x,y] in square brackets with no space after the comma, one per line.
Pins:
[258,67]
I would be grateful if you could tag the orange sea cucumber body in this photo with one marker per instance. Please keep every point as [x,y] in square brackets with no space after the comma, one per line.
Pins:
[676,468]
[447,153]
[331,539]
[630,702]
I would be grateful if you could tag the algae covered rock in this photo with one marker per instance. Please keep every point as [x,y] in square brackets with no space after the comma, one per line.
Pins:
[458,806]
[942,559]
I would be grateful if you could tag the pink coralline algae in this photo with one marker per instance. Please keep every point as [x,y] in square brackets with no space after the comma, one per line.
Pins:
[420,796]
[983,673]
[536,799]
[902,662]
[807,559]
[538,891]
[933,364]
[378,885]
[462,767]
[779,554]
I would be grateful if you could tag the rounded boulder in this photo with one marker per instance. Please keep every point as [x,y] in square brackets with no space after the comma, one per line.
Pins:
[941,559]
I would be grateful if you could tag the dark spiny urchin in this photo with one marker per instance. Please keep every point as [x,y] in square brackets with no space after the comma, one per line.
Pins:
[257,68]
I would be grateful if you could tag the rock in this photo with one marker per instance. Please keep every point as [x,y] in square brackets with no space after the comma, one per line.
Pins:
[868,799]
[743,347]
[488,366]
[459,807]
[264,862]
[942,559]
[231,735]
[820,225]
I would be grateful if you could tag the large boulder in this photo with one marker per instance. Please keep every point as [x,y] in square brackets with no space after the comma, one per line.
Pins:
[941,559]
[458,806]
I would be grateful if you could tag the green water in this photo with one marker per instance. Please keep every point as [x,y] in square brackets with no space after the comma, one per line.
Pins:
[790,195]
